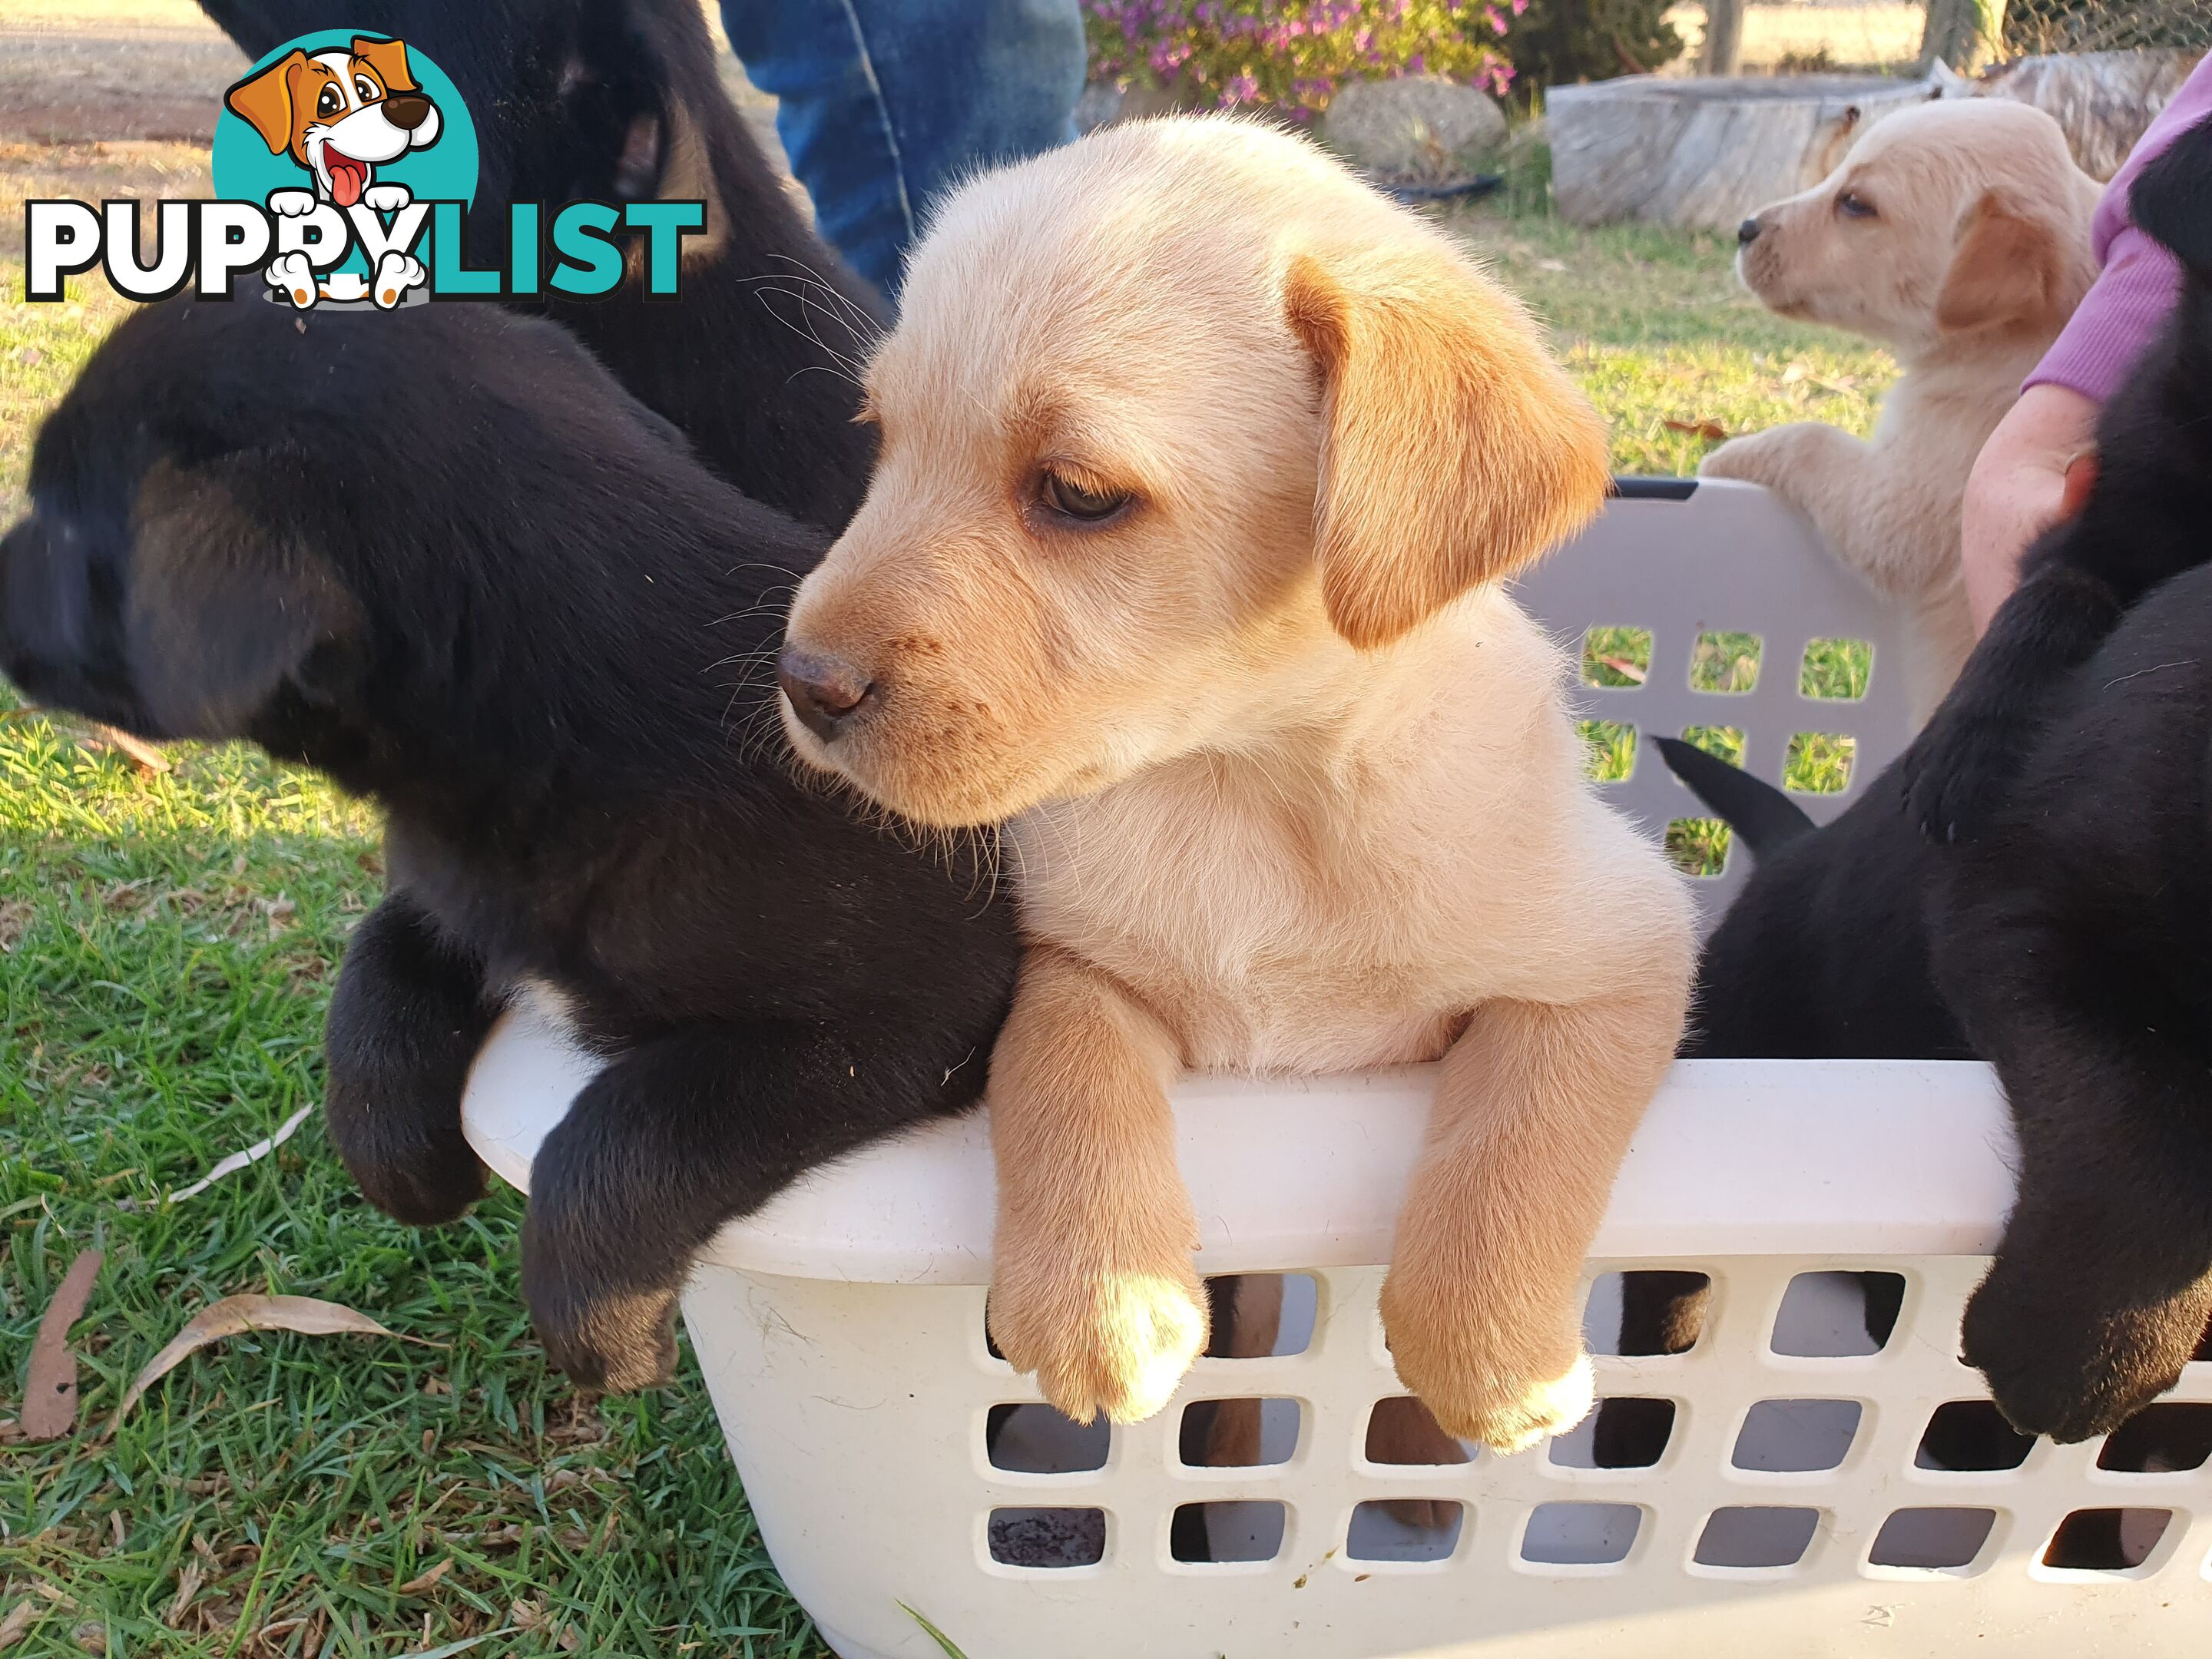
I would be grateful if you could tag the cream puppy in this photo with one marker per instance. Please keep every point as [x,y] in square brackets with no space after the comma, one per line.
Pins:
[1201,464]
[1957,233]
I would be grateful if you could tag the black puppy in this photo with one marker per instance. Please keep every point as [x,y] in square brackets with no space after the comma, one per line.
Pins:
[619,100]
[2074,936]
[441,556]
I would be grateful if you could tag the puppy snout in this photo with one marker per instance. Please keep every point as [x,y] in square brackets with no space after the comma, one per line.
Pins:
[1747,232]
[825,691]
[406,110]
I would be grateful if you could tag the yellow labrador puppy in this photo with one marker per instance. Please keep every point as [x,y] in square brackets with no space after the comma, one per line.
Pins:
[1957,233]
[1200,465]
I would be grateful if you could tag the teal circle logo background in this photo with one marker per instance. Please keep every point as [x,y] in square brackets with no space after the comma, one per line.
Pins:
[442,171]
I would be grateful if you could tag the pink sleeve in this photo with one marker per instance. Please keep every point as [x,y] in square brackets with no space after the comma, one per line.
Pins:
[2131,298]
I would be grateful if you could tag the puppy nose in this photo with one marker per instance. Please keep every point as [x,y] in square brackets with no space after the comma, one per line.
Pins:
[824,691]
[1748,231]
[406,110]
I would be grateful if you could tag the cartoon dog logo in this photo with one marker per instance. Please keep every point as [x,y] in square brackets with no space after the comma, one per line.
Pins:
[339,114]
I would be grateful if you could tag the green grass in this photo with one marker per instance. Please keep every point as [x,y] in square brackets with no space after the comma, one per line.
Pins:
[169,945]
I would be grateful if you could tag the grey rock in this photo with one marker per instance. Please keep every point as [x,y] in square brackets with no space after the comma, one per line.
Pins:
[1416,127]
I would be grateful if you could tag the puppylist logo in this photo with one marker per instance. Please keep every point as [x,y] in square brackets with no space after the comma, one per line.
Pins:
[343,166]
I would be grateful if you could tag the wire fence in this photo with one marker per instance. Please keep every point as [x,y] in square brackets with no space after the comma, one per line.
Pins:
[2055,26]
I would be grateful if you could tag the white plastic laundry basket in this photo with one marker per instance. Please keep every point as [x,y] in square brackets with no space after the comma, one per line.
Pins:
[1792,1511]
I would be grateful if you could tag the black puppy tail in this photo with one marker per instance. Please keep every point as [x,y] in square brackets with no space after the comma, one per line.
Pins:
[1765,817]
[2172,199]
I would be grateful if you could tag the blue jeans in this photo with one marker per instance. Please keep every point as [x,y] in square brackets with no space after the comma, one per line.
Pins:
[884,104]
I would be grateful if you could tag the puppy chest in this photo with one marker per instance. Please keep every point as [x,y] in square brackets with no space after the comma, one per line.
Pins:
[1259,952]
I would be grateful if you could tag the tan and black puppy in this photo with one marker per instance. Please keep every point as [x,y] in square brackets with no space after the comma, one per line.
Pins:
[1201,467]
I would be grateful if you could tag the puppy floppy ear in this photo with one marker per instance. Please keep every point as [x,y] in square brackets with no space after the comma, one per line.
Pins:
[1454,451]
[224,604]
[264,101]
[389,59]
[2008,267]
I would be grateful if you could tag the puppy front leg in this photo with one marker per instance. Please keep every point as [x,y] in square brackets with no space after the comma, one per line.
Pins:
[405,1022]
[676,1137]
[1091,1282]
[1534,1113]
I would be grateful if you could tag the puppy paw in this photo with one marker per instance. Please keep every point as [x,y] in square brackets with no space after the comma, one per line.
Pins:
[387,198]
[292,203]
[614,1344]
[1114,1339]
[1482,1380]
[2056,1368]
[1957,772]
[396,273]
[291,274]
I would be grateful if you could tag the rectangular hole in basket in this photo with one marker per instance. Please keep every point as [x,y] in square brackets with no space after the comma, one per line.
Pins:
[1838,1315]
[1258,1315]
[1797,1437]
[1819,762]
[1836,669]
[1972,1436]
[1721,742]
[1756,1535]
[1400,1432]
[1237,1434]
[1405,1529]
[1697,847]
[1612,757]
[1241,1531]
[1625,1433]
[1616,656]
[1035,1439]
[2106,1541]
[1647,1311]
[2161,1439]
[1048,1539]
[1725,662]
[1942,1540]
[1580,1535]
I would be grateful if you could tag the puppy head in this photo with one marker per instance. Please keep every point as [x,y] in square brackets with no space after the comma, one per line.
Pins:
[1175,420]
[315,540]
[1943,220]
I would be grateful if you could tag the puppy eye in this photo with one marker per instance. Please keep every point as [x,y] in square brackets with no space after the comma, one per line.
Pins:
[366,89]
[330,103]
[1071,500]
[1852,205]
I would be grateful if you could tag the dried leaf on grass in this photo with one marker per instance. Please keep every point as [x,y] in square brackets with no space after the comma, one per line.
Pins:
[428,1580]
[237,1161]
[18,1623]
[1625,668]
[188,1586]
[1711,431]
[50,1392]
[147,758]
[234,1315]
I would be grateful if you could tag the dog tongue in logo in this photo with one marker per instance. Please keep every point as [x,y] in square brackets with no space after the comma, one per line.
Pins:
[348,178]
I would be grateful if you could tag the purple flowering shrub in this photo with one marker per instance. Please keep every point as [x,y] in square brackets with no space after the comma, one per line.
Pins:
[1294,54]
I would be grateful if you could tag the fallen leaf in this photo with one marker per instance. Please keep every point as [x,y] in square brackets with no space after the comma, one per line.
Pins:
[234,1315]
[19,1618]
[147,758]
[1711,431]
[50,1392]
[1551,264]
[91,1637]
[1627,669]
[1794,373]
[428,1580]
[237,1161]
[188,1586]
